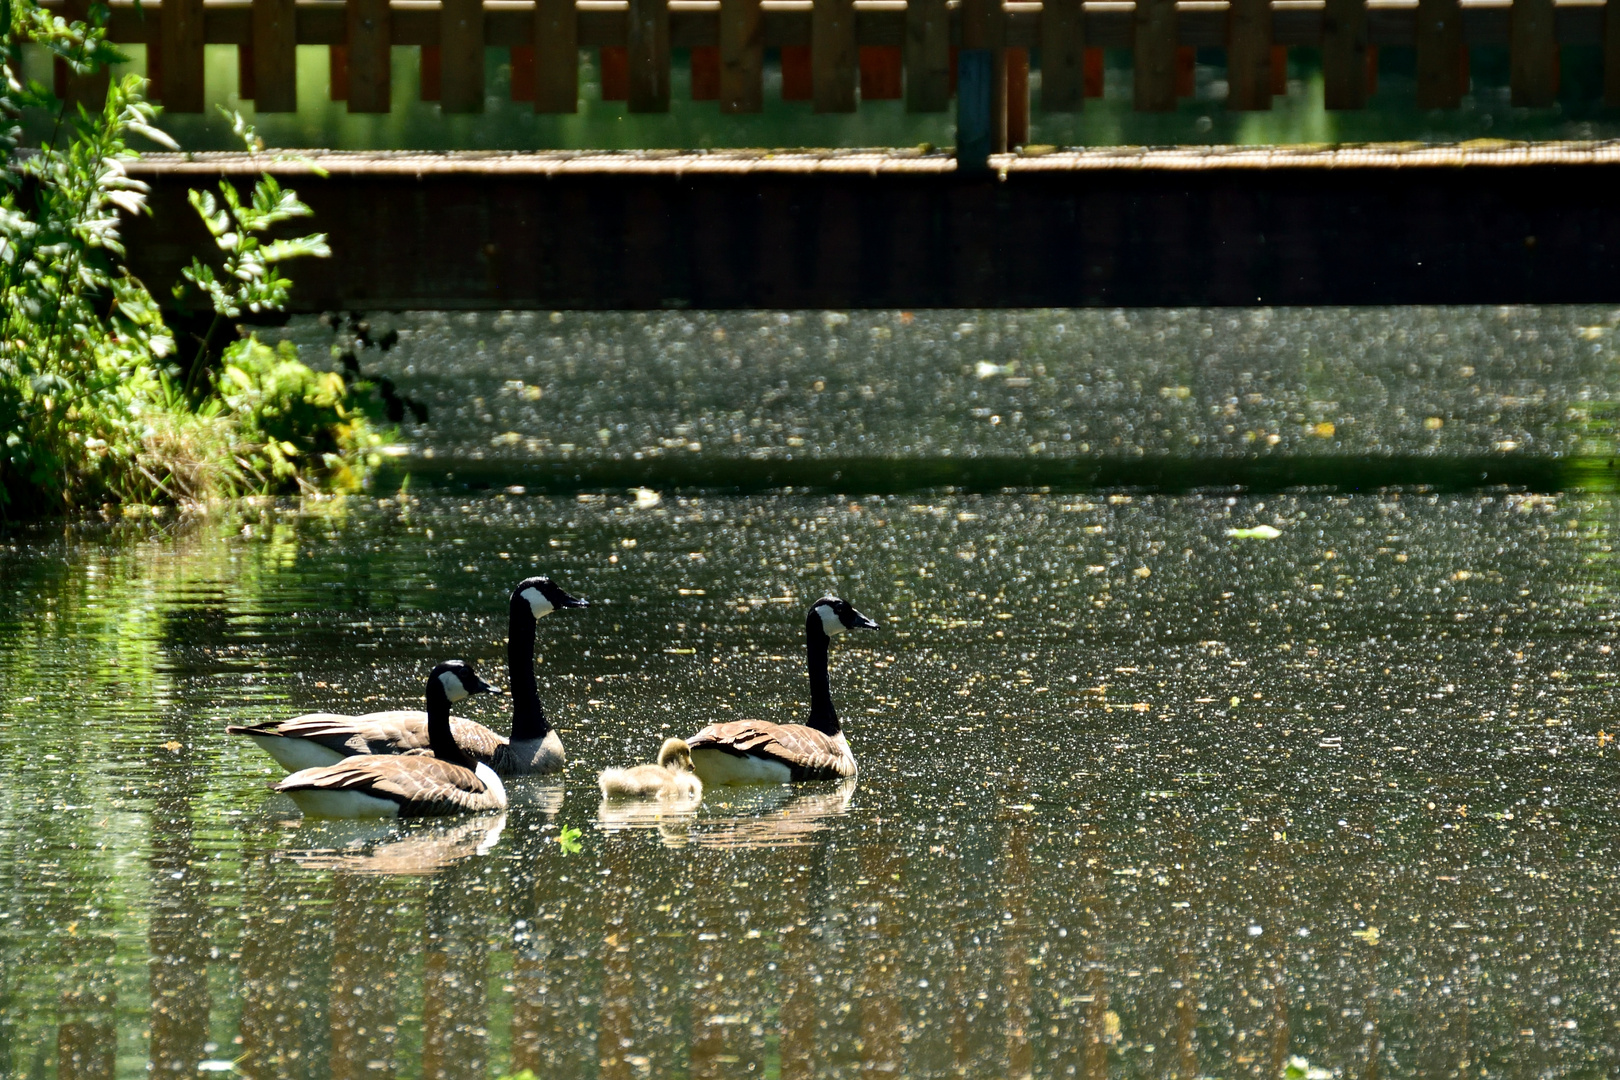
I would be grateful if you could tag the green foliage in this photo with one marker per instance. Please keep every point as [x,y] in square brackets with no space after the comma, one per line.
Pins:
[569,839]
[89,406]
[297,420]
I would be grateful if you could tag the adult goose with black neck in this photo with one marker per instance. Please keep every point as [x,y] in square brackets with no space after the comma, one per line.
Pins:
[760,752]
[407,785]
[325,738]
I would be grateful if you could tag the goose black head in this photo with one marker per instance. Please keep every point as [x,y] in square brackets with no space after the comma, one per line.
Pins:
[545,596]
[838,616]
[458,680]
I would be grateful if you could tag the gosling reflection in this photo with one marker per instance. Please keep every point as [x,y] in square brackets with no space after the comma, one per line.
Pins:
[425,849]
[768,817]
[673,819]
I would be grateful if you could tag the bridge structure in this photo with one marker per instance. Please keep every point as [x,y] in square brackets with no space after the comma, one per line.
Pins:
[1393,225]
[990,222]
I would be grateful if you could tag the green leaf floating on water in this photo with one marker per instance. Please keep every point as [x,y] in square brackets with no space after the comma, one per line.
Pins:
[1300,1069]
[569,839]
[1259,532]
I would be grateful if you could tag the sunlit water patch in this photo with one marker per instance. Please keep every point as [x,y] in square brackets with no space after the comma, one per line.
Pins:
[892,401]
[1138,796]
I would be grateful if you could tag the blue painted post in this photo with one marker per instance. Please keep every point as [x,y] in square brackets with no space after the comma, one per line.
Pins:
[973,97]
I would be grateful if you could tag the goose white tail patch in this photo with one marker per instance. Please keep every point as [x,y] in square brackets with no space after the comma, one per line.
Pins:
[296,754]
[718,768]
[343,804]
[491,781]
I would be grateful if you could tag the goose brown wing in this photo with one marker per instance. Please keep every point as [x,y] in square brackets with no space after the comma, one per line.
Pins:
[400,732]
[809,753]
[421,785]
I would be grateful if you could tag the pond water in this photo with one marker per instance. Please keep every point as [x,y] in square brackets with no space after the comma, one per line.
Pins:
[1138,797]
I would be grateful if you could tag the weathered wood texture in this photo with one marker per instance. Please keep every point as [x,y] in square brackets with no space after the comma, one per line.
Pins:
[1248,55]
[1063,49]
[875,236]
[742,57]
[647,44]
[1155,55]
[369,46]
[461,52]
[275,56]
[833,55]
[1344,54]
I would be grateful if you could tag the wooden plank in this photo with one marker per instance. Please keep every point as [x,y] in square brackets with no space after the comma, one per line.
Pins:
[1611,54]
[648,46]
[1344,54]
[1154,33]
[1063,55]
[461,52]
[832,55]
[275,56]
[1439,43]
[246,85]
[705,68]
[1017,63]
[742,57]
[974,69]
[1533,54]
[881,69]
[556,58]
[1248,55]
[1186,71]
[1279,71]
[522,67]
[337,72]
[798,84]
[1372,70]
[182,25]
[982,27]
[430,79]
[370,69]
[928,56]
[615,64]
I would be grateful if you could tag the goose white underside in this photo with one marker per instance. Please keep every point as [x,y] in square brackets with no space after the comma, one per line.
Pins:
[716,767]
[343,804]
[295,755]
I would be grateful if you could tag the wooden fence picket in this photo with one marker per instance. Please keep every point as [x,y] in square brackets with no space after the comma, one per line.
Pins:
[833,55]
[369,55]
[182,37]
[461,56]
[742,56]
[648,49]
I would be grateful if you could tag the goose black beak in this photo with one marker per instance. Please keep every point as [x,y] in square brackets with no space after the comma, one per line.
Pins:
[485,688]
[863,623]
[574,601]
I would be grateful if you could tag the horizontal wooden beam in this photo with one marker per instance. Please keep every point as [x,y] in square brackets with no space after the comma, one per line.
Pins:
[1107,24]
[1193,227]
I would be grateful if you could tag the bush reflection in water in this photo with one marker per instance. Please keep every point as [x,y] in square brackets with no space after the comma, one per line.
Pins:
[1137,797]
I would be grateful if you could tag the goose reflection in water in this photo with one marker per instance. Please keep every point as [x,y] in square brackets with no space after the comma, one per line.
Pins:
[742,817]
[424,849]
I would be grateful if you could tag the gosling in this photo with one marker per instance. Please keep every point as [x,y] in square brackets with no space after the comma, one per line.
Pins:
[672,778]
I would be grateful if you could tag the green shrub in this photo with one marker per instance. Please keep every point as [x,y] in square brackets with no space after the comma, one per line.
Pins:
[95,405]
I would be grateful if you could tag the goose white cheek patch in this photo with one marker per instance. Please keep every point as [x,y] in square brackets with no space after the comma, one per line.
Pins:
[538,602]
[452,686]
[829,620]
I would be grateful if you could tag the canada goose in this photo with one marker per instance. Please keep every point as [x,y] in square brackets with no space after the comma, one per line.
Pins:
[315,739]
[760,752]
[671,778]
[407,785]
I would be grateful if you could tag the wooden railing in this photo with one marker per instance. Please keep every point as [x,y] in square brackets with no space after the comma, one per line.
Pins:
[836,52]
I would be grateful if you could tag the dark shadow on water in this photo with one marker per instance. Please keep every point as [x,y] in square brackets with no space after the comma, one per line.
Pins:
[896,476]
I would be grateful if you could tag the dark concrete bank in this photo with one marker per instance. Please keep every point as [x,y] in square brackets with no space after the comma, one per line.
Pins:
[1485,223]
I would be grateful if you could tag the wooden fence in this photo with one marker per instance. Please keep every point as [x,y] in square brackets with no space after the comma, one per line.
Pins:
[836,52]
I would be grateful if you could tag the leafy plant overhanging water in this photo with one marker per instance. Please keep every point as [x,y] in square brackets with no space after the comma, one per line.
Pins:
[97,402]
